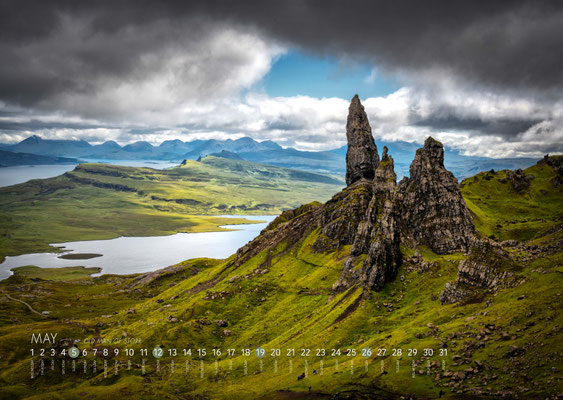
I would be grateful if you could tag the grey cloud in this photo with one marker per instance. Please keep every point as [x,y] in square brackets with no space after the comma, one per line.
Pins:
[545,148]
[502,127]
[84,49]
[34,125]
[515,45]
[285,124]
[62,56]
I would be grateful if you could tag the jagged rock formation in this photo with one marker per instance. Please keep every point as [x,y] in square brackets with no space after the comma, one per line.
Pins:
[341,216]
[373,215]
[361,158]
[433,211]
[385,176]
[291,227]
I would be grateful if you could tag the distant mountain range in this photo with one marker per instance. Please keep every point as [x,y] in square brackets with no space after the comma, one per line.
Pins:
[268,152]
[461,166]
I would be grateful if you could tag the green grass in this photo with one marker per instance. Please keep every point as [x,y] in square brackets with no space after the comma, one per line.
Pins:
[55,274]
[98,201]
[501,211]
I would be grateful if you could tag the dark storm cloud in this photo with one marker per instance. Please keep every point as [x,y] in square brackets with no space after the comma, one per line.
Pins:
[502,126]
[126,63]
[552,148]
[507,44]
[515,45]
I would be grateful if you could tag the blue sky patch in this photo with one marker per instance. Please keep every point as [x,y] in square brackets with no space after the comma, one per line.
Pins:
[295,73]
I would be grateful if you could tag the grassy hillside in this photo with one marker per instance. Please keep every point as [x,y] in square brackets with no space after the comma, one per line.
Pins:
[505,344]
[55,274]
[9,159]
[99,201]
[504,212]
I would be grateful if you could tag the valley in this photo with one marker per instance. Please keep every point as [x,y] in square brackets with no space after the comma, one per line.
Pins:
[100,201]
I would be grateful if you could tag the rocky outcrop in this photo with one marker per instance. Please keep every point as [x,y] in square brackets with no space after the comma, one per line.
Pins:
[376,235]
[488,266]
[385,176]
[433,212]
[373,215]
[291,227]
[519,181]
[361,158]
[384,254]
[375,255]
[342,215]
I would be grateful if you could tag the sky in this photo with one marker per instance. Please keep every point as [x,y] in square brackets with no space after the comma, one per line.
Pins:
[483,77]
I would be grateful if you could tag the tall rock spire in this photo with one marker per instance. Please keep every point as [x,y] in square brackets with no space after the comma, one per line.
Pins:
[361,158]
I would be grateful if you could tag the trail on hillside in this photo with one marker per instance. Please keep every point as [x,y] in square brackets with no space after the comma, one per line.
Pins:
[25,304]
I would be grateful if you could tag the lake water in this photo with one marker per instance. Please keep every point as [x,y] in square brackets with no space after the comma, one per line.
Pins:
[23,173]
[128,255]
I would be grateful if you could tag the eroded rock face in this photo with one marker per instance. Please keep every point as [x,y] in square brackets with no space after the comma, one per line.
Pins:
[375,255]
[433,212]
[384,254]
[377,235]
[385,176]
[361,158]
[488,266]
[291,227]
[342,215]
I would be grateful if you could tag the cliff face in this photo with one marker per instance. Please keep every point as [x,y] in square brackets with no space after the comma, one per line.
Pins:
[374,215]
[433,211]
[377,240]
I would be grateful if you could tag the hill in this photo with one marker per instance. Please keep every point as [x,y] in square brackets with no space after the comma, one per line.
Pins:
[386,290]
[10,159]
[100,201]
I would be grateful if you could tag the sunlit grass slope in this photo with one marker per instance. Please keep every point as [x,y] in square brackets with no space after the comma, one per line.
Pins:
[99,201]
[499,210]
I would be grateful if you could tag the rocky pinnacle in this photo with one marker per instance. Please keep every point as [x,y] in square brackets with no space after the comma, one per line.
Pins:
[361,158]
[385,176]
[374,215]
[433,211]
